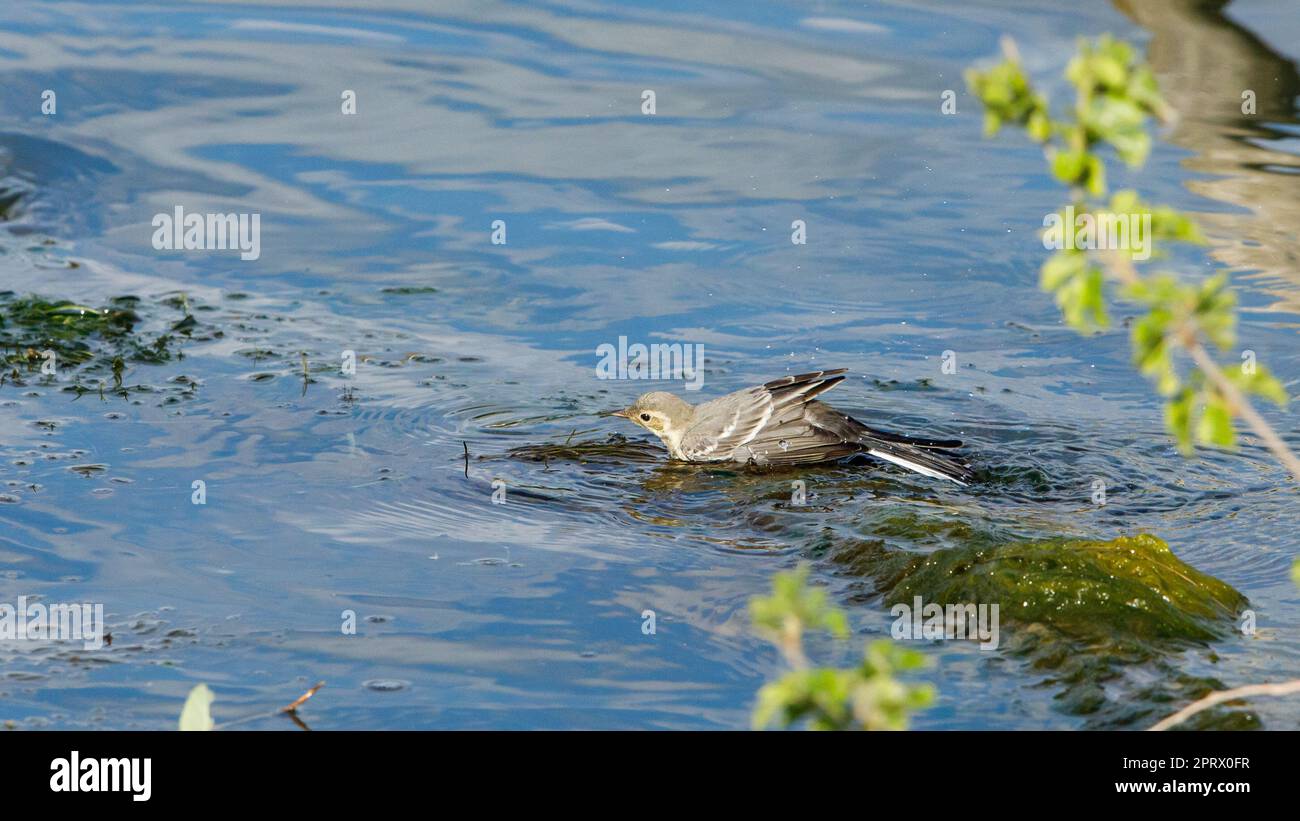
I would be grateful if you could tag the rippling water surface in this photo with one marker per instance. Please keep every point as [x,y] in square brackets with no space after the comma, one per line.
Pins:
[328,493]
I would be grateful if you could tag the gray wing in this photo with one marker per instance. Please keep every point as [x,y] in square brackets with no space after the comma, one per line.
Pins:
[725,425]
[801,436]
[815,432]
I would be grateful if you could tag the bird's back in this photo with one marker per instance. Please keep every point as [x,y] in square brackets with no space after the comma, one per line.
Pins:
[780,423]
[721,427]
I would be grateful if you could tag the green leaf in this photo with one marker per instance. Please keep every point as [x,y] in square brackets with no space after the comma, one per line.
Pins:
[1039,125]
[1008,98]
[1109,71]
[1167,223]
[827,698]
[1070,166]
[992,122]
[819,696]
[1110,115]
[793,601]
[1133,146]
[1268,386]
[1215,310]
[197,712]
[1096,176]
[1094,297]
[1081,297]
[1145,91]
[880,701]
[1151,351]
[1125,201]
[1215,424]
[1061,267]
[1260,383]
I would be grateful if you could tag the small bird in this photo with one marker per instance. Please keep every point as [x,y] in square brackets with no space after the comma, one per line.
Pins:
[779,423]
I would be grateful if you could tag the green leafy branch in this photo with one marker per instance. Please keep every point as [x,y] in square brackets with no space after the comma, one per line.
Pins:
[1115,96]
[825,698]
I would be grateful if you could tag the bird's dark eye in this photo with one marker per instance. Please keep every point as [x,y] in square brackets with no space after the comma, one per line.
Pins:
[645,417]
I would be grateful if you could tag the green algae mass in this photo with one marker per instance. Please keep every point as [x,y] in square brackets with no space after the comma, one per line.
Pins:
[29,325]
[1131,586]
[1107,624]
[615,448]
[95,341]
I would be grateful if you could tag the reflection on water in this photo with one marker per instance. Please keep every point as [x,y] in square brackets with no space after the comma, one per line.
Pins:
[1236,98]
[373,492]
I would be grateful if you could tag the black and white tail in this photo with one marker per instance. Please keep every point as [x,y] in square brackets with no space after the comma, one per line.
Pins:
[918,455]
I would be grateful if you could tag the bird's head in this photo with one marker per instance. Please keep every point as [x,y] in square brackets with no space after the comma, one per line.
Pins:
[659,412]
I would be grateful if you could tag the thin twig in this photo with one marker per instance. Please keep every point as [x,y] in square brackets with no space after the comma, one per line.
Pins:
[302,699]
[1123,269]
[1243,407]
[290,710]
[791,643]
[1286,688]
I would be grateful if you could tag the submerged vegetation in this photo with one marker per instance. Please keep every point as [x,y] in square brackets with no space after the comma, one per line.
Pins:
[1089,615]
[1131,586]
[1084,613]
[614,448]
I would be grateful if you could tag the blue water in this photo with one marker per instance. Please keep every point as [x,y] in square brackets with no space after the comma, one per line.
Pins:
[349,493]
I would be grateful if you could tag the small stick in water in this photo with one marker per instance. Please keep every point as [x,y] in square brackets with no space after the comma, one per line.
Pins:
[302,699]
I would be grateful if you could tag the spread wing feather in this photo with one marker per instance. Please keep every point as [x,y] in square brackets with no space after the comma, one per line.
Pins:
[730,422]
[821,433]
[779,423]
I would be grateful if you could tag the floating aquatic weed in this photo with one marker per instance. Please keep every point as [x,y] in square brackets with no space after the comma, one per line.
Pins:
[1091,614]
[97,344]
[88,470]
[11,194]
[614,448]
[409,290]
[30,325]
[13,188]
